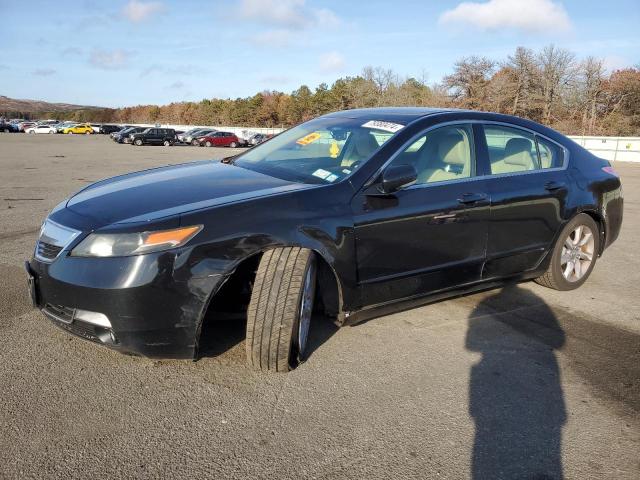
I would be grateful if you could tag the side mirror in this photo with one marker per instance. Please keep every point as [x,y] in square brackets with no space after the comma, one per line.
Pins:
[396,177]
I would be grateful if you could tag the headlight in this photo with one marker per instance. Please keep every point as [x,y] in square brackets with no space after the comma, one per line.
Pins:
[125,244]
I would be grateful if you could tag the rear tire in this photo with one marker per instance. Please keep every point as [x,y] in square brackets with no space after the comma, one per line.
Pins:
[574,255]
[138,142]
[233,145]
[207,144]
[194,143]
[167,143]
[279,313]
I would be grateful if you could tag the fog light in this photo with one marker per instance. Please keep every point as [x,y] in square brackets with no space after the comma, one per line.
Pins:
[95,318]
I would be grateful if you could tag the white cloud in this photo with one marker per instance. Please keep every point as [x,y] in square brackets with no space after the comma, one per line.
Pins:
[332,62]
[176,85]
[538,16]
[136,11]
[294,14]
[114,60]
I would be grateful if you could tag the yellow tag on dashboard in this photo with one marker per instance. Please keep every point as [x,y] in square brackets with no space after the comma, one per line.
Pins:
[334,149]
[312,137]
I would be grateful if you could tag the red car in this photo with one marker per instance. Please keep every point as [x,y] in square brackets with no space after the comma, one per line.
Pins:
[220,139]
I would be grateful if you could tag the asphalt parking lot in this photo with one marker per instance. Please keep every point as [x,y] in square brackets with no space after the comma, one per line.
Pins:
[522,382]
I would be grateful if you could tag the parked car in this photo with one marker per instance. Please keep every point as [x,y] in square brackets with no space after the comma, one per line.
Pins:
[96,127]
[22,126]
[82,128]
[257,139]
[8,127]
[194,137]
[45,128]
[122,128]
[154,136]
[219,139]
[350,211]
[61,126]
[125,135]
[109,129]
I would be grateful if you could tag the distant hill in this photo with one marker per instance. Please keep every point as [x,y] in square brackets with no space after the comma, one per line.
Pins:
[12,105]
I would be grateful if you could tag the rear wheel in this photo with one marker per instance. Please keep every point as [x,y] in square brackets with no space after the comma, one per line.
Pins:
[574,255]
[207,144]
[194,142]
[88,133]
[233,144]
[167,143]
[70,132]
[279,314]
[138,142]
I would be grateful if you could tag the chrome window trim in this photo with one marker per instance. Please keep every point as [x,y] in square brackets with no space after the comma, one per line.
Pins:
[408,143]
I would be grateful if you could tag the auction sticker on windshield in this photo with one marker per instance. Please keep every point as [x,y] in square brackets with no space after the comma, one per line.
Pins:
[307,139]
[386,126]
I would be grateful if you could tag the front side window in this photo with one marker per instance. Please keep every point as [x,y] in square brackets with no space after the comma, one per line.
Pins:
[324,150]
[441,155]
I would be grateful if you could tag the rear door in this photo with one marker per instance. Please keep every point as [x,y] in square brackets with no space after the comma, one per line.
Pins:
[528,187]
[432,235]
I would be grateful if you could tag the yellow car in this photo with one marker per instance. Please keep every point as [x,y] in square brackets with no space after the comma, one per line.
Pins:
[80,128]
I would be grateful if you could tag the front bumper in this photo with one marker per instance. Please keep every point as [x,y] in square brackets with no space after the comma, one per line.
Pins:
[155,302]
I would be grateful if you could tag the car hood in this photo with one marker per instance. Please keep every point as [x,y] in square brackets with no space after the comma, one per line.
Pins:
[172,190]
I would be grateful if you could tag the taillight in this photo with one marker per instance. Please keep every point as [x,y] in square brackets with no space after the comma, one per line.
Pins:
[610,170]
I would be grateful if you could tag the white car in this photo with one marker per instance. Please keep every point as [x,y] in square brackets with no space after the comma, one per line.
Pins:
[41,129]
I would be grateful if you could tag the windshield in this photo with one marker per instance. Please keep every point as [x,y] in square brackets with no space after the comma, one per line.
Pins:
[324,150]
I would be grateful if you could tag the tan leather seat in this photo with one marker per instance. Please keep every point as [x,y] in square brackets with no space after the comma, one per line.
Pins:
[447,156]
[517,157]
[362,147]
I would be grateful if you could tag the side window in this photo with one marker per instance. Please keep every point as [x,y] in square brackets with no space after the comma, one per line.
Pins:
[510,149]
[441,155]
[551,155]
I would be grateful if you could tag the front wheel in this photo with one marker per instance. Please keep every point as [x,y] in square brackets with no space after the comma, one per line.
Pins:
[574,255]
[279,313]
[138,142]
[70,133]
[207,144]
[194,142]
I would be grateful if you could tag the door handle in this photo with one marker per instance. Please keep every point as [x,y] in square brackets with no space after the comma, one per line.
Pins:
[551,186]
[470,198]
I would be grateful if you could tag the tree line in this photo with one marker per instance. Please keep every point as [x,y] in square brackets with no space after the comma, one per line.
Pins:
[550,86]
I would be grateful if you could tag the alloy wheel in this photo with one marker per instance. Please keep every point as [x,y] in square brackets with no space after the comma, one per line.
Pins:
[306,307]
[577,253]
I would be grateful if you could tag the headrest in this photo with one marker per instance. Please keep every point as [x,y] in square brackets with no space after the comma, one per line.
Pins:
[517,151]
[451,149]
[365,144]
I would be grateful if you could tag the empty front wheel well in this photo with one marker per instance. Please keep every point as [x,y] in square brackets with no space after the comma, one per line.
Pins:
[233,297]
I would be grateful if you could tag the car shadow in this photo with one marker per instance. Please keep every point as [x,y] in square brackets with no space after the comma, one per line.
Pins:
[515,392]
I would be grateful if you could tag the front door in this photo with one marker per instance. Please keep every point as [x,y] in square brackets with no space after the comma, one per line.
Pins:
[432,235]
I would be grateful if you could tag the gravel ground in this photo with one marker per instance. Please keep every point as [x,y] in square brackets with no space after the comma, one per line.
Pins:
[522,382]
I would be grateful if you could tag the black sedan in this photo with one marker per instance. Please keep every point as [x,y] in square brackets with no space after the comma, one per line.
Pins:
[347,213]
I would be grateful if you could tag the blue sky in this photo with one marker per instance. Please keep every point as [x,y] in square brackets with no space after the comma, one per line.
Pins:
[128,52]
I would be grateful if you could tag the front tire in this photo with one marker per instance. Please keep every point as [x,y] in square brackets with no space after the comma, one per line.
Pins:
[207,144]
[138,142]
[194,143]
[279,314]
[574,255]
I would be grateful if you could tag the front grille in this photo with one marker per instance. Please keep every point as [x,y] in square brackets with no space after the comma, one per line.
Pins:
[48,251]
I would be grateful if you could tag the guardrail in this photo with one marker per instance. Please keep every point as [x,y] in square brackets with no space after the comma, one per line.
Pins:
[615,149]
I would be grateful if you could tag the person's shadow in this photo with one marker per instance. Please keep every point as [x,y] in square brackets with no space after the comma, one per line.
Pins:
[515,393]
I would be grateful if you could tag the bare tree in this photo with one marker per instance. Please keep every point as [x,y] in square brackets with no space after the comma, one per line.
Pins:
[470,80]
[592,76]
[557,71]
[521,73]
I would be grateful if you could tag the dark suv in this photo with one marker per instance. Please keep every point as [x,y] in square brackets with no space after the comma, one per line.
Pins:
[155,136]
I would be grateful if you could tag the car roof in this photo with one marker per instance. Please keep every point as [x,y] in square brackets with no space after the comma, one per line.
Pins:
[404,114]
